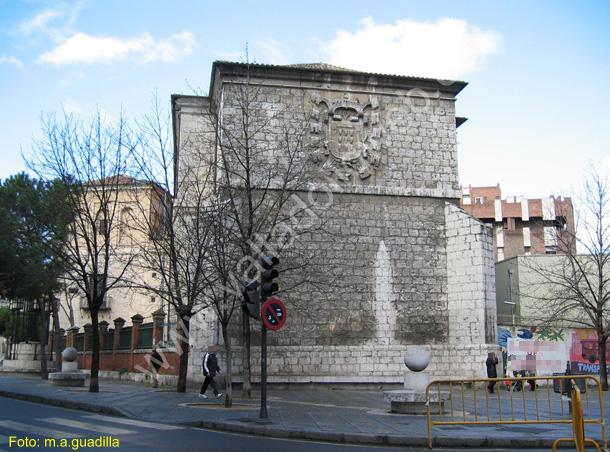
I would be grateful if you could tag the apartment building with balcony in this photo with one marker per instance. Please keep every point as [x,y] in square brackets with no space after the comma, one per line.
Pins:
[521,226]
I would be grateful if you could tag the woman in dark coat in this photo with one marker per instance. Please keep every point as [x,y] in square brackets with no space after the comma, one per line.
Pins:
[491,362]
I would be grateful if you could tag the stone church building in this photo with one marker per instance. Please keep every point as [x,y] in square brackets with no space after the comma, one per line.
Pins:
[406,264]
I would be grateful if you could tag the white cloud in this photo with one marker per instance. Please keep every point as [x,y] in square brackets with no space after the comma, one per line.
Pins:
[73,107]
[230,56]
[11,60]
[272,52]
[40,21]
[87,49]
[447,48]
[87,110]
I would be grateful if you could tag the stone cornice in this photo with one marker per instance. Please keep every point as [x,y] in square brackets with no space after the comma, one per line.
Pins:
[338,76]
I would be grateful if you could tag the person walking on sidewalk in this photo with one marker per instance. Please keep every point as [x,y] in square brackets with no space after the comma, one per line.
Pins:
[210,368]
[155,364]
[491,362]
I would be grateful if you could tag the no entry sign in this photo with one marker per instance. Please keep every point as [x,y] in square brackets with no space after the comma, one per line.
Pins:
[273,313]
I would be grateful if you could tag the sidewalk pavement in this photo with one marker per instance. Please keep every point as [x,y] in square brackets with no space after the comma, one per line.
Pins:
[349,416]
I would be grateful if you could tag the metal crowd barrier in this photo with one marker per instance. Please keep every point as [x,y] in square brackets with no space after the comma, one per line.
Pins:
[573,399]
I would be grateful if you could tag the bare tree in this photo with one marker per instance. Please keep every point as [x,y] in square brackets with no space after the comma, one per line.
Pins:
[91,160]
[230,195]
[67,303]
[224,287]
[575,287]
[263,171]
[178,226]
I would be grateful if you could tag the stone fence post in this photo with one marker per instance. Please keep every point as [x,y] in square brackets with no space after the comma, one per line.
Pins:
[103,329]
[86,338]
[71,340]
[119,323]
[158,320]
[86,363]
[136,321]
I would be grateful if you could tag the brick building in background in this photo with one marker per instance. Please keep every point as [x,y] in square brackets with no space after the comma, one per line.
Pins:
[520,225]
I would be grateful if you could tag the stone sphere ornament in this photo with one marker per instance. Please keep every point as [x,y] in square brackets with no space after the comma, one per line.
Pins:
[417,357]
[69,354]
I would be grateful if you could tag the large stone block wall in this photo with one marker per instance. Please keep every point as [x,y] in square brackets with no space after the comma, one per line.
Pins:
[195,137]
[392,263]
[417,144]
[379,282]
[375,274]
[471,289]
[408,281]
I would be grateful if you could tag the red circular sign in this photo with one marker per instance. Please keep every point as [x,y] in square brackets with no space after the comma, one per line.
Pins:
[273,313]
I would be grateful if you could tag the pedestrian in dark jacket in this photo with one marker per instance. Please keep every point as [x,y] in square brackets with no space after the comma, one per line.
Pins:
[155,364]
[491,363]
[210,369]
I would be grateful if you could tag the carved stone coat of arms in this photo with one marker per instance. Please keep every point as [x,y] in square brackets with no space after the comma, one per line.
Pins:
[345,137]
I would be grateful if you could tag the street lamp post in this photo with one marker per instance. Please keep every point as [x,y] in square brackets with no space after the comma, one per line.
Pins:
[510,298]
[512,310]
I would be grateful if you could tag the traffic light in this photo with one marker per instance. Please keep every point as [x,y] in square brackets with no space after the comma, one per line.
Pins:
[268,274]
[253,299]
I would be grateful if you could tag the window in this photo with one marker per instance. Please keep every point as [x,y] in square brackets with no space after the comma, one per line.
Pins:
[499,237]
[102,227]
[105,303]
[479,200]
[156,226]
[466,199]
[527,239]
[125,230]
[500,253]
[550,237]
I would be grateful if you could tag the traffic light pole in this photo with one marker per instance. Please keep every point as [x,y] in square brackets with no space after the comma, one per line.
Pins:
[267,289]
[263,413]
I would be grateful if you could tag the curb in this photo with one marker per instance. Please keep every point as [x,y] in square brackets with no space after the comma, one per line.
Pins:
[250,428]
[375,440]
[82,406]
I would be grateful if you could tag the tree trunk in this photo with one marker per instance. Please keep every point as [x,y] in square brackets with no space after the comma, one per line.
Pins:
[603,371]
[228,371]
[94,385]
[183,346]
[71,314]
[43,334]
[56,336]
[246,371]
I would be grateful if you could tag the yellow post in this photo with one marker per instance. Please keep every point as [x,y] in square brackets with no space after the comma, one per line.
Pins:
[578,425]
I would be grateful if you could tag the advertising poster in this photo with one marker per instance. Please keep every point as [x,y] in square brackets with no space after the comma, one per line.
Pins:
[584,354]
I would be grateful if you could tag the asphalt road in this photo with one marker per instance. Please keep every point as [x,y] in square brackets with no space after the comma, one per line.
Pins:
[36,427]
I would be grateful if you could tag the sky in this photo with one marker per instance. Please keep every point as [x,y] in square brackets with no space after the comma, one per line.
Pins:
[537,100]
